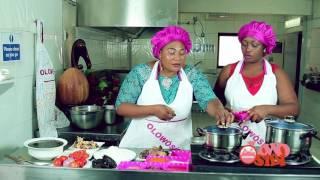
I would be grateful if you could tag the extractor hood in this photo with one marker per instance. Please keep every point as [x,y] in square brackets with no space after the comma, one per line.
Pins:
[127,15]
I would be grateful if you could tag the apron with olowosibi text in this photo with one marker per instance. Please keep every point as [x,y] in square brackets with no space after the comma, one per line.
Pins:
[239,98]
[150,131]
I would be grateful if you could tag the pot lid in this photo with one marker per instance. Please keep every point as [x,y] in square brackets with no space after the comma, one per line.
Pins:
[290,125]
[223,131]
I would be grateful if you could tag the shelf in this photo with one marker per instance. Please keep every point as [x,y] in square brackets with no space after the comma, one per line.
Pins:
[8,81]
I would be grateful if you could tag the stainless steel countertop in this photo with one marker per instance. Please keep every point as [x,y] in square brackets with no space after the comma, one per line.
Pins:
[10,170]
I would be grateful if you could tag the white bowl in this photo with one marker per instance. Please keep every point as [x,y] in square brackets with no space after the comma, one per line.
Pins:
[45,148]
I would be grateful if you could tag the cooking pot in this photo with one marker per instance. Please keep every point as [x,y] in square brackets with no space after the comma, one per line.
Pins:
[221,138]
[296,135]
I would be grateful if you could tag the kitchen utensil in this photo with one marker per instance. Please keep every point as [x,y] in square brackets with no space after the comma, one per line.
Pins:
[22,161]
[296,135]
[200,140]
[227,139]
[45,148]
[110,114]
[87,116]
[79,49]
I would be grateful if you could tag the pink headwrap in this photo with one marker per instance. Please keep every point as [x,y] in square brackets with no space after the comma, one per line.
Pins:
[260,31]
[167,35]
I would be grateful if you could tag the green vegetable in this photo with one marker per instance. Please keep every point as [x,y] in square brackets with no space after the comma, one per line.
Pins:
[102,84]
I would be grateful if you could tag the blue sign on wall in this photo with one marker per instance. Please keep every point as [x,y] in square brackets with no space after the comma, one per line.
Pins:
[10,46]
[11,52]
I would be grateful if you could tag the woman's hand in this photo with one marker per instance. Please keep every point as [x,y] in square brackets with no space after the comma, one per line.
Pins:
[163,112]
[258,113]
[222,115]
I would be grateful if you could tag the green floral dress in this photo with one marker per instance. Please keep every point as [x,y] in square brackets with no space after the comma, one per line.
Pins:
[132,86]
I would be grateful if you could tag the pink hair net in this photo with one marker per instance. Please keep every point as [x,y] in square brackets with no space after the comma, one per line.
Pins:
[260,31]
[167,35]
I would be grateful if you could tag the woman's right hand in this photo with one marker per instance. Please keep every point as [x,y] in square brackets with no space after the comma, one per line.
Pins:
[163,112]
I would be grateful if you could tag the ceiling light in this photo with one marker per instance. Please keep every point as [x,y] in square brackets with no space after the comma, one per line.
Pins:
[292,22]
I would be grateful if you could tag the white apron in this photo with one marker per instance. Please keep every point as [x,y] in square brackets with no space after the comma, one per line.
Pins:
[239,98]
[150,131]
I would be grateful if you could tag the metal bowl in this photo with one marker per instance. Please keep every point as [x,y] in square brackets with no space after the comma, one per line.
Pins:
[87,116]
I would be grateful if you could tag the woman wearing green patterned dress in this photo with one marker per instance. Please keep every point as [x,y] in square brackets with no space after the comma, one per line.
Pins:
[158,95]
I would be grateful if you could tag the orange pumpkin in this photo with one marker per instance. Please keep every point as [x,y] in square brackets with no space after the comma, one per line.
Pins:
[73,87]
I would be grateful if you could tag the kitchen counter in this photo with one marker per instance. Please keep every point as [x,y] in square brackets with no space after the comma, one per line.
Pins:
[9,170]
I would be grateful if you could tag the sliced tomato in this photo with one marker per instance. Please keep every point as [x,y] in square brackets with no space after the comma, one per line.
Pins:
[74,164]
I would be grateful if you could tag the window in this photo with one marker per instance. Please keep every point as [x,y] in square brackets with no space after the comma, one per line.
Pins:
[229,49]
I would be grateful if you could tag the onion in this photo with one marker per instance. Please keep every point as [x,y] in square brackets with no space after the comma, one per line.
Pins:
[67,162]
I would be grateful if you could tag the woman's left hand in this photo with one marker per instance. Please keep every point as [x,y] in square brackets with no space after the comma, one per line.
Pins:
[257,113]
[222,115]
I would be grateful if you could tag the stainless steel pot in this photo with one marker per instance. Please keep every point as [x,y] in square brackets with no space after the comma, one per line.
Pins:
[227,139]
[296,135]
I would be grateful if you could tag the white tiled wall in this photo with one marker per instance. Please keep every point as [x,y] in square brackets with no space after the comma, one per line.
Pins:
[106,50]
[16,99]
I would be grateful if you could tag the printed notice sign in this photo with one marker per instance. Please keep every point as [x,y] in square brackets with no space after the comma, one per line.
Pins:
[10,47]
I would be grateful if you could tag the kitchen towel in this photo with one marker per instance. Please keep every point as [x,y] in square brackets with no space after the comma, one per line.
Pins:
[45,87]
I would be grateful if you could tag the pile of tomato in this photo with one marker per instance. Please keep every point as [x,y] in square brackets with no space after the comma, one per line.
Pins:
[76,159]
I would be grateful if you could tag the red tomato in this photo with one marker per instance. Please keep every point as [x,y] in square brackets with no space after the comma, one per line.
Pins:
[63,158]
[81,162]
[57,162]
[81,154]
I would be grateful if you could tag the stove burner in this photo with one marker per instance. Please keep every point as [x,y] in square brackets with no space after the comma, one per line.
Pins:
[219,156]
[298,159]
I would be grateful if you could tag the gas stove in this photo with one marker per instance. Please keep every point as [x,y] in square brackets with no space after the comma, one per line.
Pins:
[299,159]
[207,160]
[219,156]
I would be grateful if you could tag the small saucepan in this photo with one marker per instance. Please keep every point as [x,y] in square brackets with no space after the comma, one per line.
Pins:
[296,135]
[221,138]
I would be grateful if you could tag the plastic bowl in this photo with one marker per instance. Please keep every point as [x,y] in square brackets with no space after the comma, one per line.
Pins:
[45,148]
[87,116]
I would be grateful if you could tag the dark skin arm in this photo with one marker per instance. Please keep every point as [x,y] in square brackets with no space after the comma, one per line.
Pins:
[216,109]
[224,117]
[287,100]
[221,83]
